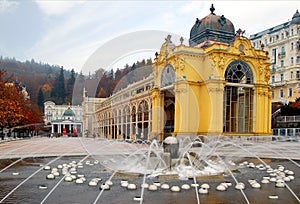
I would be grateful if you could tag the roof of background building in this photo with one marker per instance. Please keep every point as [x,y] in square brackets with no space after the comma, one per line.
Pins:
[295,20]
[212,27]
[68,112]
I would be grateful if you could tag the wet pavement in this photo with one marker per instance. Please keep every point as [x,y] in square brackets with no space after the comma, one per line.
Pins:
[22,174]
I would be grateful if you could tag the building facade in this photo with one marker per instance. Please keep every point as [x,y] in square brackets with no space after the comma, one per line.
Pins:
[282,42]
[64,119]
[218,84]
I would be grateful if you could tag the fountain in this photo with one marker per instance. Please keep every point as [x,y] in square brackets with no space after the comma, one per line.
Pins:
[256,169]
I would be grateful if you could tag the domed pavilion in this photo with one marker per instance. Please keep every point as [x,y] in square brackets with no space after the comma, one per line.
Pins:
[219,84]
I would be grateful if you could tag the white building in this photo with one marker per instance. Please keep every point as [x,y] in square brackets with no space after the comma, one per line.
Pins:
[282,42]
[63,117]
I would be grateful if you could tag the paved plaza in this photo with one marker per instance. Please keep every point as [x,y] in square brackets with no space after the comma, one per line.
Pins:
[44,146]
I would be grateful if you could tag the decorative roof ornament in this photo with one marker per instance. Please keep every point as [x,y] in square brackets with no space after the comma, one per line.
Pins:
[168,39]
[181,40]
[212,9]
[240,32]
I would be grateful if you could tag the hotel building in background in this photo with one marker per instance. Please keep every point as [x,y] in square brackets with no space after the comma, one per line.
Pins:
[282,42]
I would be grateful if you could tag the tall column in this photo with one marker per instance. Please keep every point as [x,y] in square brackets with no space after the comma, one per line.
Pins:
[136,122]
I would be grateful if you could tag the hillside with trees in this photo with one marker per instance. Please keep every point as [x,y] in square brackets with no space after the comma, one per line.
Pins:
[112,81]
[43,81]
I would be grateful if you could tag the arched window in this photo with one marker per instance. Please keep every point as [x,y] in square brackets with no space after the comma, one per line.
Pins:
[239,72]
[238,98]
[167,76]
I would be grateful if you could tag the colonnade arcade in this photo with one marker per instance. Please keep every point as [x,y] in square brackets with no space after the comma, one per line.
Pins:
[125,121]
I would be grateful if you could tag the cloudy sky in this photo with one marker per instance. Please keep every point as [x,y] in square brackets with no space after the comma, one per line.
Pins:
[67,33]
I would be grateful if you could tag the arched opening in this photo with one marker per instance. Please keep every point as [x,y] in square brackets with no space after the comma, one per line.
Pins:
[168,77]
[143,120]
[238,98]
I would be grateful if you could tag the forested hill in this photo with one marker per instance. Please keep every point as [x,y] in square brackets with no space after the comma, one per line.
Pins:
[38,77]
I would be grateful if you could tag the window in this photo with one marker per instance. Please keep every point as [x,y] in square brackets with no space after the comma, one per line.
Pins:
[266,41]
[272,78]
[238,98]
[292,73]
[270,39]
[281,63]
[281,94]
[281,77]
[282,50]
[282,36]
[273,95]
[292,46]
[292,60]
[298,75]
[292,32]
[298,60]
[290,92]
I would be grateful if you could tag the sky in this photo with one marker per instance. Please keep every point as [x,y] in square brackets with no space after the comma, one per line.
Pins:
[74,33]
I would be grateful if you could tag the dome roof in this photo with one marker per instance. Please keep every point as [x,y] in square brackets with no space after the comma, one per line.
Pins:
[212,27]
[69,112]
[296,18]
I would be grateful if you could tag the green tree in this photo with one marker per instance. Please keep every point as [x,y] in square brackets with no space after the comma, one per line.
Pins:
[70,86]
[41,98]
[59,91]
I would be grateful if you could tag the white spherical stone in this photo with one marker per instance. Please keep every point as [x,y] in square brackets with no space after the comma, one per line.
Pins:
[273,179]
[287,179]
[279,180]
[255,185]
[185,186]
[165,186]
[275,197]
[131,186]
[105,186]
[124,184]
[265,181]
[79,181]
[73,177]
[47,168]
[290,173]
[175,188]
[137,198]
[92,183]
[15,173]
[144,185]
[109,182]
[221,188]
[42,187]
[205,185]
[156,183]
[240,186]
[56,174]
[152,187]
[203,191]
[194,184]
[291,177]
[68,179]
[50,176]
[280,185]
